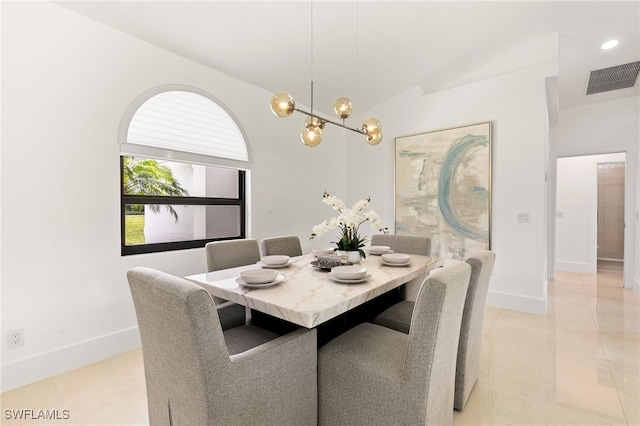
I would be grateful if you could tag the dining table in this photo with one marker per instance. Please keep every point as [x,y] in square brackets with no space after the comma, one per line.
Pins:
[306,295]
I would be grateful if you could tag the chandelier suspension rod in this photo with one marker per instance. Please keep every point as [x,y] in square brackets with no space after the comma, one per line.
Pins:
[311,115]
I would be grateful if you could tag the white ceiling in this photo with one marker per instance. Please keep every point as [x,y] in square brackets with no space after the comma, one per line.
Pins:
[371,51]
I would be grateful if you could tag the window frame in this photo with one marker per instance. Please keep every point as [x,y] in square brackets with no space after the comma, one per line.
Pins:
[164,200]
[141,151]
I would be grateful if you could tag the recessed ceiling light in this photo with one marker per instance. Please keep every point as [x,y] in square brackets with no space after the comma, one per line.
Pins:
[609,44]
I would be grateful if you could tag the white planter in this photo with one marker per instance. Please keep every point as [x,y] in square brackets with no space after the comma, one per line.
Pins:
[354,256]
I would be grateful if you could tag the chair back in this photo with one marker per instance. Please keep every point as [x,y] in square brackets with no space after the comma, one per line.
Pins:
[287,245]
[408,244]
[433,339]
[468,361]
[180,333]
[231,253]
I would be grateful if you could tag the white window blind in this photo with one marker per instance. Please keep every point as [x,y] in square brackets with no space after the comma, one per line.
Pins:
[188,122]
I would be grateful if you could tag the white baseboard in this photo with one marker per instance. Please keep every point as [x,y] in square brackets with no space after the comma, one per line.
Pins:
[29,370]
[580,267]
[636,286]
[517,302]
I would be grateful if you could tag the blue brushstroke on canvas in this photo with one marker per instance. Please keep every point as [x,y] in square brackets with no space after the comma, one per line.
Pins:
[447,174]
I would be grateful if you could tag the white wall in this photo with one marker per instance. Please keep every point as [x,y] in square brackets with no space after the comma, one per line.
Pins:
[636,275]
[577,207]
[66,83]
[606,127]
[516,105]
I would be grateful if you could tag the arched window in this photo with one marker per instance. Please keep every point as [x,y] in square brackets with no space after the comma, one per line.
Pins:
[188,122]
[183,164]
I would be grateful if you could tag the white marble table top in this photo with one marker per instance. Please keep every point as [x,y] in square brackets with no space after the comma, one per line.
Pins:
[306,296]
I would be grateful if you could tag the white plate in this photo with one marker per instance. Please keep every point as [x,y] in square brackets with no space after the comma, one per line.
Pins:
[322,250]
[349,272]
[284,265]
[378,250]
[395,263]
[275,259]
[338,280]
[396,258]
[378,253]
[278,280]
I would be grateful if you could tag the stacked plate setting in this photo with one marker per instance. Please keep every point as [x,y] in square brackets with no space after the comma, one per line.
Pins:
[259,278]
[396,259]
[322,250]
[378,250]
[275,261]
[348,274]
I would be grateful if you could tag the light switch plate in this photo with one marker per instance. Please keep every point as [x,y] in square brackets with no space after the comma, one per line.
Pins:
[524,217]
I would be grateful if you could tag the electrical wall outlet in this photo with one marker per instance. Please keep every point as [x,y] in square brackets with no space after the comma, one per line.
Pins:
[15,338]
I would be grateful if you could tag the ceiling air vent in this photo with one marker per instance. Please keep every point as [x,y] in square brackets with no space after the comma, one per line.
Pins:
[613,78]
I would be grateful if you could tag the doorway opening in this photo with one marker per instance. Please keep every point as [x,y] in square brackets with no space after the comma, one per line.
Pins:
[590,207]
[611,216]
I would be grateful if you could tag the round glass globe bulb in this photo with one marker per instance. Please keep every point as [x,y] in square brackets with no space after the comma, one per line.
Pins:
[374,139]
[372,126]
[314,123]
[282,104]
[311,137]
[342,107]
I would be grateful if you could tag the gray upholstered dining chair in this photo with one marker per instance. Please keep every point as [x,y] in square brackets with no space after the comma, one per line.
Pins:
[288,245]
[198,374]
[230,254]
[374,375]
[408,244]
[398,317]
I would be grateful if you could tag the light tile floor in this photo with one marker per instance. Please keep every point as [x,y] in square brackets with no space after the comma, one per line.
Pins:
[577,365]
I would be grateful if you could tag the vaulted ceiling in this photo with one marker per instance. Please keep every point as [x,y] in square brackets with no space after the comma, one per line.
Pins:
[374,50]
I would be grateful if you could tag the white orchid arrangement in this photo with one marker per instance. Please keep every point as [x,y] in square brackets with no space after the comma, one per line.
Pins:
[349,221]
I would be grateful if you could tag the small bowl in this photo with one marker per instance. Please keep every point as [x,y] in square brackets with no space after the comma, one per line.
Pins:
[349,272]
[275,259]
[396,258]
[258,276]
[379,249]
[323,250]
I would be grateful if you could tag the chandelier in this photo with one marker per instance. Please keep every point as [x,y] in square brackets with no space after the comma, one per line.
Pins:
[283,105]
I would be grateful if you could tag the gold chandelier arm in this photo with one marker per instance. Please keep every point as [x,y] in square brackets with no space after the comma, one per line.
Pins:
[326,120]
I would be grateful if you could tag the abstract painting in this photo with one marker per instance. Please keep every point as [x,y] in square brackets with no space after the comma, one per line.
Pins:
[443,189]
